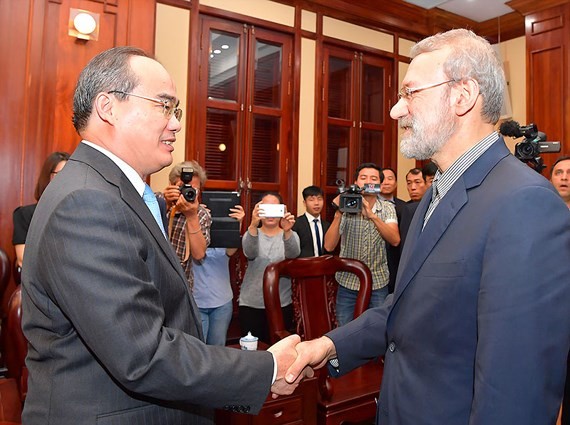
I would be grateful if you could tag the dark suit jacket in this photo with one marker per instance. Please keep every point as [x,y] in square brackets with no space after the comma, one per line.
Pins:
[115,336]
[303,229]
[477,331]
[393,252]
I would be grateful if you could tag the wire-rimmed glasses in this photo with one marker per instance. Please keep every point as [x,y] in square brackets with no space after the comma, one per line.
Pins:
[168,108]
[407,92]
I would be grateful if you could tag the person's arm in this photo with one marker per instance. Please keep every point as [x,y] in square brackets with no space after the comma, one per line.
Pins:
[19,254]
[388,231]
[197,230]
[332,236]
[171,194]
[522,311]
[238,213]
[255,220]
[292,245]
[250,245]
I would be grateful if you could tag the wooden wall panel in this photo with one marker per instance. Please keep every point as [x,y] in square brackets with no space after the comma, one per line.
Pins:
[548,71]
[39,69]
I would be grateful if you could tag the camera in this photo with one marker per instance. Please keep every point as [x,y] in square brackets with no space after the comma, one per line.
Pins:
[186,189]
[533,144]
[350,200]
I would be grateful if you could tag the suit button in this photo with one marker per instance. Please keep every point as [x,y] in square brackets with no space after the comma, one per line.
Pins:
[392,347]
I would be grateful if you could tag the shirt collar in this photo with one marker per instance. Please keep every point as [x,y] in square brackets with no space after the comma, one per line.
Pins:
[311,217]
[444,181]
[129,171]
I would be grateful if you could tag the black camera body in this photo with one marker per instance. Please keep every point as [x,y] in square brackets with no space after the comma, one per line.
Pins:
[533,144]
[186,189]
[350,200]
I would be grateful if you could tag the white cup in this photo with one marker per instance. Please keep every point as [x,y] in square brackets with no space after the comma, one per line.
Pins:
[248,342]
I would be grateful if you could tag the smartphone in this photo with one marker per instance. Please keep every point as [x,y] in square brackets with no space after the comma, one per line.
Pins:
[271,210]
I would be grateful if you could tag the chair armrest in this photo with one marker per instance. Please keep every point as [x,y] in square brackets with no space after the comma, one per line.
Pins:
[326,387]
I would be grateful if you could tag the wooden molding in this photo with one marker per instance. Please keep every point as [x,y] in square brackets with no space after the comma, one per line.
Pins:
[526,7]
[414,22]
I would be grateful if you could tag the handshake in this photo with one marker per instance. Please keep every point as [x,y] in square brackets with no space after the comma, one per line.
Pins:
[296,361]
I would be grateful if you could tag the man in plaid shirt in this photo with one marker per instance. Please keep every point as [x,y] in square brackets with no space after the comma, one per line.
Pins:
[188,222]
[363,236]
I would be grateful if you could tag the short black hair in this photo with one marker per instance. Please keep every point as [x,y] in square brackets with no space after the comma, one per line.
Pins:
[369,165]
[429,169]
[392,170]
[562,158]
[414,172]
[312,191]
[276,194]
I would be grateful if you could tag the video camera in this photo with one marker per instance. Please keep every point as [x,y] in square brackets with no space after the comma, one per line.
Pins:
[350,200]
[532,146]
[186,189]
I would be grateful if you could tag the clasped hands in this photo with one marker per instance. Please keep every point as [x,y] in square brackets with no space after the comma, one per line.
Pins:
[296,361]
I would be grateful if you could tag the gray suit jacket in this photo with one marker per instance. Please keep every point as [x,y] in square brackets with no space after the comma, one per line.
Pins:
[115,336]
[477,331]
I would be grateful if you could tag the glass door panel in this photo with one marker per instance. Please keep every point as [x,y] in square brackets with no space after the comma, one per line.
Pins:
[221,150]
[372,147]
[267,75]
[265,154]
[372,102]
[337,155]
[223,61]
[339,87]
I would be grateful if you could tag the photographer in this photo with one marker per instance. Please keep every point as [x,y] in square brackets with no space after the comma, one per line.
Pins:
[363,236]
[188,222]
[269,238]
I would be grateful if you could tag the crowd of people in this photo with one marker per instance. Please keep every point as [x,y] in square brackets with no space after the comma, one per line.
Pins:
[126,304]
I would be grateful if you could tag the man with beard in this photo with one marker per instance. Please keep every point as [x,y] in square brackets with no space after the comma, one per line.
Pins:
[477,331]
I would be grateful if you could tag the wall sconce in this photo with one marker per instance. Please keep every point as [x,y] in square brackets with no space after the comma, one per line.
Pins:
[83,24]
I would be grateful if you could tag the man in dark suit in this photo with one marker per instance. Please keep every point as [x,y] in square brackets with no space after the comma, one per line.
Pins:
[477,331]
[115,336]
[388,193]
[310,227]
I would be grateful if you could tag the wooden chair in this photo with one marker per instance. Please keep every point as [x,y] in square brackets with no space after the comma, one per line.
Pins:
[5,269]
[352,397]
[17,345]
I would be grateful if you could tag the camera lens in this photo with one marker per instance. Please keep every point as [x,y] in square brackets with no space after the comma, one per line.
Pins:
[188,192]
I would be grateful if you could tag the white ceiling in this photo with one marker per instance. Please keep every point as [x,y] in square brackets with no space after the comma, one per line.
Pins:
[476,10]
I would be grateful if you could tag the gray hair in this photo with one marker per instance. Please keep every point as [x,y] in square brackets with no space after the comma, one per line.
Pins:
[471,57]
[176,171]
[109,70]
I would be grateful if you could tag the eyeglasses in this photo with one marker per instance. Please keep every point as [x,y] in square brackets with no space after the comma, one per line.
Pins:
[407,92]
[168,109]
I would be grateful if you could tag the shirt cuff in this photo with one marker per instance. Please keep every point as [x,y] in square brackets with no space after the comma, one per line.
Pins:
[334,363]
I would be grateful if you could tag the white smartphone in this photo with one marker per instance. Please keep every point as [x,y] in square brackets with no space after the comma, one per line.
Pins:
[271,210]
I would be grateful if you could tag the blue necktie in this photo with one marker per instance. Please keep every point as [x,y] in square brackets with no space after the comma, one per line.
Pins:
[152,204]
[319,246]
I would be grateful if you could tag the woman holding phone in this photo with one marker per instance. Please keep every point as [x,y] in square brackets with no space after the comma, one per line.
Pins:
[273,241]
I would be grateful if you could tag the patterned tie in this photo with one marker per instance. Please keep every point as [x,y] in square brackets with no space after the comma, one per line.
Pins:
[435,198]
[319,247]
[152,204]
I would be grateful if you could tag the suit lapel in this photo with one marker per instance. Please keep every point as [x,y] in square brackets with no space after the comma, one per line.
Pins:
[114,176]
[135,201]
[419,244]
